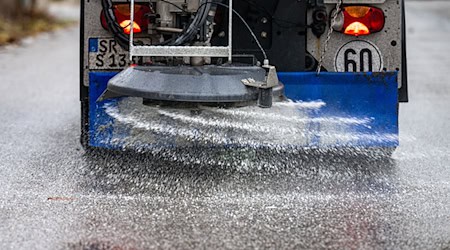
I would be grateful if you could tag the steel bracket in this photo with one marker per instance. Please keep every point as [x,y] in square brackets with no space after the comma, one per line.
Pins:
[270,82]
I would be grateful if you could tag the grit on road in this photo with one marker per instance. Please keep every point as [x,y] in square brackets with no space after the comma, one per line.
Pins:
[54,196]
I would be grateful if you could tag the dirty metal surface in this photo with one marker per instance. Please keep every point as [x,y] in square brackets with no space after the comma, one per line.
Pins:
[379,43]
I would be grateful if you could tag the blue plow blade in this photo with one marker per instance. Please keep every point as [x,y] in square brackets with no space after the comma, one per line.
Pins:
[326,111]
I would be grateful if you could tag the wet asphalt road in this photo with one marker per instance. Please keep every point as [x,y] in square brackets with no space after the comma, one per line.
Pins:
[54,196]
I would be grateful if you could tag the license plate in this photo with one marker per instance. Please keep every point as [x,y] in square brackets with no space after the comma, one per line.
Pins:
[107,54]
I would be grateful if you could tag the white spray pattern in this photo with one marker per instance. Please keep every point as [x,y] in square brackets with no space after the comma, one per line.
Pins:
[259,115]
[290,126]
[166,129]
[273,125]
[225,123]
[271,131]
[301,105]
[211,126]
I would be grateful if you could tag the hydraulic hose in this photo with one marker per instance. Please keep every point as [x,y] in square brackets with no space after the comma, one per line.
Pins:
[122,39]
[199,20]
[186,36]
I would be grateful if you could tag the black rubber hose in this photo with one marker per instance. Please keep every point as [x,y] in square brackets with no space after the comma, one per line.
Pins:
[193,28]
[122,39]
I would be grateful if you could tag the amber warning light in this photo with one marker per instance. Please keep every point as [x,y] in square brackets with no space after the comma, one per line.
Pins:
[359,20]
[122,13]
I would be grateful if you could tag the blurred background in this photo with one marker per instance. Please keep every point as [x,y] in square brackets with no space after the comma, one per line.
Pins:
[21,18]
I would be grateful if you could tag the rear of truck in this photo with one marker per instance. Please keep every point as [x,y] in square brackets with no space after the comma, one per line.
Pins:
[340,73]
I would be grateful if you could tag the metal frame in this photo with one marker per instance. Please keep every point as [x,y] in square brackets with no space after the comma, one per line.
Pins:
[201,51]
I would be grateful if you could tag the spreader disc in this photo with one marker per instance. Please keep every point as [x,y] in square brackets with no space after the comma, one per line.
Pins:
[218,84]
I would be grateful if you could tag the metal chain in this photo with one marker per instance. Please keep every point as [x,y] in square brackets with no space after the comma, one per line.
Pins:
[330,31]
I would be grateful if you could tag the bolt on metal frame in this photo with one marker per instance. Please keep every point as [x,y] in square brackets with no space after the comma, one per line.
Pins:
[201,51]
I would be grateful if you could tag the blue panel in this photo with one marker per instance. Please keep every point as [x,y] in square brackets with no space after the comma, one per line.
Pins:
[347,95]
[373,95]
[100,129]
[93,45]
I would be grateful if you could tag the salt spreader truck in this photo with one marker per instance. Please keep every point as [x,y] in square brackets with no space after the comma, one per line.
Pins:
[348,56]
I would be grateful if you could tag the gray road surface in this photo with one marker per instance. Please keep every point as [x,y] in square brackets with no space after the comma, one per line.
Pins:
[53,196]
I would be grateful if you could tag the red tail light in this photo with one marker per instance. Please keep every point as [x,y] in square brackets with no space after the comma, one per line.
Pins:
[122,13]
[360,20]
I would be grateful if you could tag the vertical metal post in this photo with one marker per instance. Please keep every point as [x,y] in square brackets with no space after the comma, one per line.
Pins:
[132,29]
[230,31]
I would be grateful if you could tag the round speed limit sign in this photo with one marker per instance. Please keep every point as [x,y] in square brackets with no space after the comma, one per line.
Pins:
[358,56]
